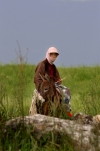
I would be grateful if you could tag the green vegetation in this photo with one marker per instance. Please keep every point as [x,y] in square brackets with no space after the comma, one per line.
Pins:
[84,83]
[16,89]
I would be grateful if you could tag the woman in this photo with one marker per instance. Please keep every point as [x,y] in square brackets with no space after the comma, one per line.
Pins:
[47,67]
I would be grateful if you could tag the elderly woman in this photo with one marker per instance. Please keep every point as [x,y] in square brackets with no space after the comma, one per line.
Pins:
[48,67]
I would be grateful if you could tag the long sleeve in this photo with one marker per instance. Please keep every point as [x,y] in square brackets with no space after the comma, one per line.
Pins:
[40,69]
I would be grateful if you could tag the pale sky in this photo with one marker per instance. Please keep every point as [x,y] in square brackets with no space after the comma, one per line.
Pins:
[72,26]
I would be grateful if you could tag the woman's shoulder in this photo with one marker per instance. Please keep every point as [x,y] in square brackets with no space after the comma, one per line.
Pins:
[41,63]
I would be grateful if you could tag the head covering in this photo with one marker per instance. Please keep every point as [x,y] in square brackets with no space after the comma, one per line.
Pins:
[49,58]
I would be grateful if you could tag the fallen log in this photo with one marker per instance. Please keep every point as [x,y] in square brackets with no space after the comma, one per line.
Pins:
[82,132]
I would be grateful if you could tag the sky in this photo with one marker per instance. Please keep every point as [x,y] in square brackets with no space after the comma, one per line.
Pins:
[72,26]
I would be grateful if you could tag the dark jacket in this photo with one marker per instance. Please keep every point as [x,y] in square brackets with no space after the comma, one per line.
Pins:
[43,68]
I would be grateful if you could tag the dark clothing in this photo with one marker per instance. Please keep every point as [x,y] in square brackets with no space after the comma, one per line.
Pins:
[44,67]
[51,70]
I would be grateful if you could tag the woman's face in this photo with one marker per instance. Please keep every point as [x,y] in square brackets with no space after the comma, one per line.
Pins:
[53,55]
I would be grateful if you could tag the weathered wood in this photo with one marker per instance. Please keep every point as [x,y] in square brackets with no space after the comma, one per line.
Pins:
[80,131]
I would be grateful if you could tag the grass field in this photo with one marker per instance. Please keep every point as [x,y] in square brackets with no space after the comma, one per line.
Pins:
[16,89]
[16,85]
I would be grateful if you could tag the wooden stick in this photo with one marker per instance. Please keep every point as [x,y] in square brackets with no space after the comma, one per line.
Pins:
[60,80]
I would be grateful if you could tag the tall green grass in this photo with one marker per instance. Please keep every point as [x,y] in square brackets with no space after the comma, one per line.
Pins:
[17,85]
[16,90]
[84,84]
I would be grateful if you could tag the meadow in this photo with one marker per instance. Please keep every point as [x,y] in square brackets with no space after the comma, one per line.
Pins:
[16,90]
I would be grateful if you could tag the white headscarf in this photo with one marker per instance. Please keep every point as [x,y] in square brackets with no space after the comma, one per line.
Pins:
[49,58]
